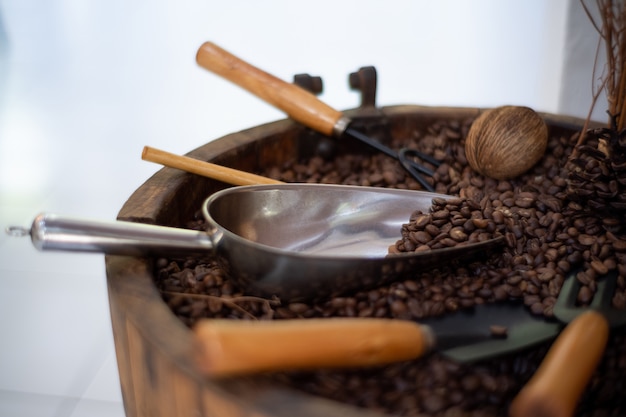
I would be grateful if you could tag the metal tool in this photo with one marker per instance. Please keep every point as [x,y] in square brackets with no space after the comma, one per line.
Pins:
[230,347]
[303,106]
[291,240]
[556,387]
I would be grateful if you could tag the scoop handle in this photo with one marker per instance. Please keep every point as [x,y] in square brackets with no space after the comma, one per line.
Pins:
[557,385]
[206,169]
[231,347]
[298,103]
[54,232]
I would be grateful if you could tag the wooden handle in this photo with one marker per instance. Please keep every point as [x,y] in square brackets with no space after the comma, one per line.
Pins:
[229,347]
[556,387]
[298,103]
[206,169]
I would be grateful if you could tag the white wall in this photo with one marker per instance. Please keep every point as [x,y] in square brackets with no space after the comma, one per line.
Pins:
[102,57]
[581,75]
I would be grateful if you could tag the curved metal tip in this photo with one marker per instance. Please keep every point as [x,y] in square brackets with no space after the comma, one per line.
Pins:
[17,231]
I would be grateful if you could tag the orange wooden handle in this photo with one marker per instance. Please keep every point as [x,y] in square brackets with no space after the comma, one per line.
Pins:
[298,103]
[229,347]
[206,169]
[556,387]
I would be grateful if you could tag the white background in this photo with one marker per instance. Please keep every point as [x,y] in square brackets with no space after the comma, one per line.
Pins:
[84,85]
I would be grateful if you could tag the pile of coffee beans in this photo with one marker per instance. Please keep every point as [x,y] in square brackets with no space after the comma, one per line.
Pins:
[548,238]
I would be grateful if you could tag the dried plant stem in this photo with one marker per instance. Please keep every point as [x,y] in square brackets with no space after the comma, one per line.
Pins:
[583,131]
[230,302]
[612,31]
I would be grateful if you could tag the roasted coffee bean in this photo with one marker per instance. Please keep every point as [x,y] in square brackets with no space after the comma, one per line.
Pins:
[498,331]
[619,245]
[458,234]
[498,216]
[420,237]
[599,267]
[421,221]
[480,223]
[585,295]
[298,308]
[524,202]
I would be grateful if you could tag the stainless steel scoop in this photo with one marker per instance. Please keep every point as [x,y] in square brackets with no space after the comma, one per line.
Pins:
[290,240]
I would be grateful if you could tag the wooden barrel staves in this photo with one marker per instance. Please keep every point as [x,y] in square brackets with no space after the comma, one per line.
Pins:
[155,350]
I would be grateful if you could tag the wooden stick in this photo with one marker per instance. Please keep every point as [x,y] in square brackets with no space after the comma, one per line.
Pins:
[235,347]
[206,169]
[298,103]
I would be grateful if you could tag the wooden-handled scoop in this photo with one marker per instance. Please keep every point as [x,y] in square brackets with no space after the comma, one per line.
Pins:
[230,347]
[556,387]
[203,168]
[302,106]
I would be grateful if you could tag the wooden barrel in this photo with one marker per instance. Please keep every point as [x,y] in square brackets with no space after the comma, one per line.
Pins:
[154,348]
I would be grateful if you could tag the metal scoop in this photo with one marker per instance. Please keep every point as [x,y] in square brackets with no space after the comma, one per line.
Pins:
[290,240]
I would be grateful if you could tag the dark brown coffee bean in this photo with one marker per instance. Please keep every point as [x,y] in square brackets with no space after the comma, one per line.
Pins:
[546,274]
[498,217]
[398,308]
[411,285]
[551,255]
[470,383]
[537,308]
[432,230]
[409,246]
[498,331]
[587,240]
[422,248]
[584,278]
[585,295]
[454,203]
[524,202]
[458,234]
[298,308]
[599,267]
[619,245]
[610,264]
[619,303]
[451,304]
[468,226]
[433,403]
[420,237]
[458,220]
[421,221]
[511,240]
[480,223]
[485,293]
